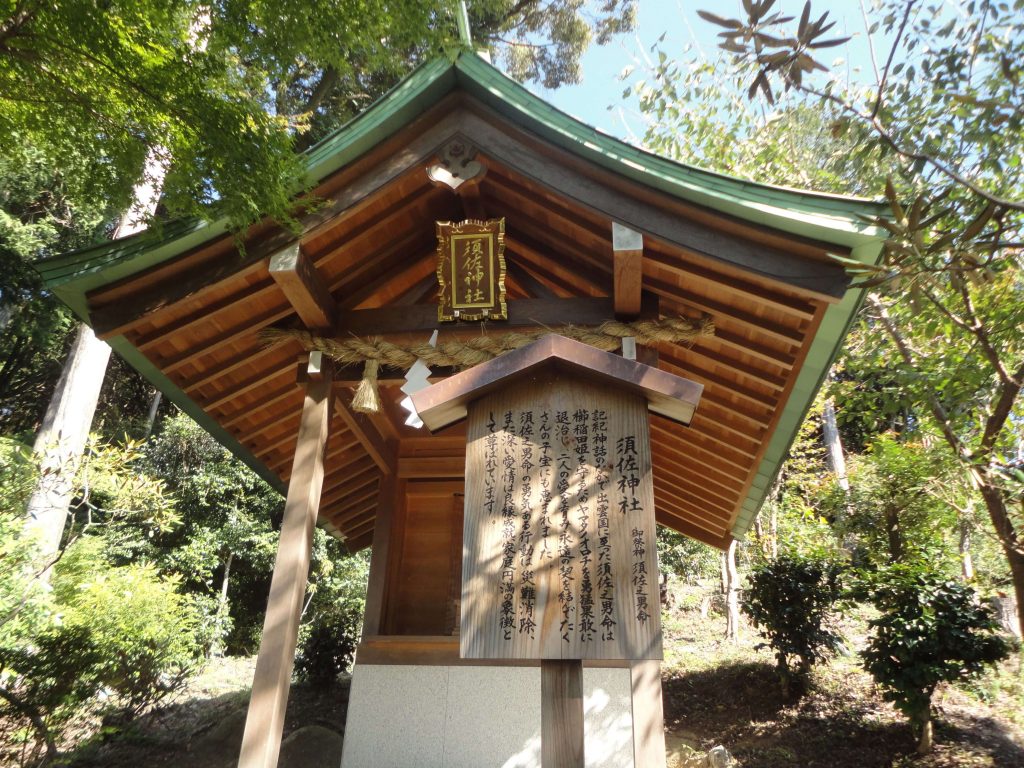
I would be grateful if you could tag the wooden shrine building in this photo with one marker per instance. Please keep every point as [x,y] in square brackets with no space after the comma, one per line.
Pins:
[730,285]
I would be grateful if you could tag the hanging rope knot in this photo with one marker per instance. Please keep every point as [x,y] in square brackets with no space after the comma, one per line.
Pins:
[367,397]
[374,353]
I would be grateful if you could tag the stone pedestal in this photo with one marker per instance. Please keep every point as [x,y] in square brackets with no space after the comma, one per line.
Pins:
[406,715]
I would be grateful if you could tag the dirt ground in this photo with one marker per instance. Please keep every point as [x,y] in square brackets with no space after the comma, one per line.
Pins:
[715,693]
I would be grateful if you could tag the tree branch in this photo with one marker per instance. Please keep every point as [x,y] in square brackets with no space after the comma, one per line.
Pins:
[328,80]
[938,412]
[908,154]
[1008,392]
[973,327]
[892,54]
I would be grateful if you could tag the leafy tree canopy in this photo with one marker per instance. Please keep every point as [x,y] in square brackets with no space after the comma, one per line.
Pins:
[221,93]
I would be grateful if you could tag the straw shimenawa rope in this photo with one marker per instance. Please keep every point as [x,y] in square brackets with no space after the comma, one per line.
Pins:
[462,354]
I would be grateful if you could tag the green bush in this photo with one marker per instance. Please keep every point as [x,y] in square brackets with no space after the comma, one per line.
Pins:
[789,601]
[145,629]
[334,618]
[932,630]
[124,630]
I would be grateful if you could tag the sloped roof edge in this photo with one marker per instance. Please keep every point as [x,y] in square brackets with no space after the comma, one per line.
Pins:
[829,218]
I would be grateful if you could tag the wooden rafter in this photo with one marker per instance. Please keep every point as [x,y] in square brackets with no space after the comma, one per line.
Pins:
[627,258]
[303,286]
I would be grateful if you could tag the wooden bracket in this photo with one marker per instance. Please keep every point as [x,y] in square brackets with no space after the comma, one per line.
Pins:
[302,285]
[628,251]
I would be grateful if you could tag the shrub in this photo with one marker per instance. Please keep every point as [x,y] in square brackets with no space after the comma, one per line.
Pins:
[789,601]
[932,630]
[145,629]
[335,616]
[329,647]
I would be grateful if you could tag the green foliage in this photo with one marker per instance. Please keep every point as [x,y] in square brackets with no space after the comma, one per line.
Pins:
[219,92]
[686,558]
[932,630]
[23,599]
[333,621]
[890,510]
[693,113]
[789,600]
[144,628]
[230,516]
[126,630]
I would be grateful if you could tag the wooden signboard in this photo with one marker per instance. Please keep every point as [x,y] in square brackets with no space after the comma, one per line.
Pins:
[471,270]
[559,535]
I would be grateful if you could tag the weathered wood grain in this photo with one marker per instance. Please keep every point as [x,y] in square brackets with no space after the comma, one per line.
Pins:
[559,548]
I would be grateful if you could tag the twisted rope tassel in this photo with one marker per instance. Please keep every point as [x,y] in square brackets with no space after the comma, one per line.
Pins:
[374,353]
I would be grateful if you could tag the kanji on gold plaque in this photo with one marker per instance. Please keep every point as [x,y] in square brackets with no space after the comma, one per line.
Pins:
[471,270]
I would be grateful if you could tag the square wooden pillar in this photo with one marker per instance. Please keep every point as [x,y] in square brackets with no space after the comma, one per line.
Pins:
[261,741]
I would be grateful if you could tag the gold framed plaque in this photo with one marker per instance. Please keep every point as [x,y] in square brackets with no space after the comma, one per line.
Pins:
[471,270]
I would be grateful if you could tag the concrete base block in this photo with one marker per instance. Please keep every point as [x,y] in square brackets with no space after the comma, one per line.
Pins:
[409,716]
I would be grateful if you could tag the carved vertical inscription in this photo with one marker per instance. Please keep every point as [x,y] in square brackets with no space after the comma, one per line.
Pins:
[559,552]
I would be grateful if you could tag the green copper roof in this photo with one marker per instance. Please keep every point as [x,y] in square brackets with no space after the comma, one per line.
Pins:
[822,217]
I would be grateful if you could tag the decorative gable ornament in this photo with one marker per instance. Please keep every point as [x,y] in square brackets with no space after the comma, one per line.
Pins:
[471,270]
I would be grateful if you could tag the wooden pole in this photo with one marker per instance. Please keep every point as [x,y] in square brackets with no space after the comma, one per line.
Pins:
[648,714]
[261,741]
[561,713]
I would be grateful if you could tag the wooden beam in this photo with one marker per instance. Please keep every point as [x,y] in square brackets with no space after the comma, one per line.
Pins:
[342,515]
[415,323]
[669,395]
[360,489]
[555,271]
[648,715]
[249,327]
[357,543]
[472,202]
[627,269]
[261,740]
[302,285]
[382,451]
[204,313]
[561,713]
[248,410]
[431,467]
[528,282]
[613,196]
[682,525]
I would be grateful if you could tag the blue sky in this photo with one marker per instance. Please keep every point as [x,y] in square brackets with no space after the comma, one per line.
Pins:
[678,20]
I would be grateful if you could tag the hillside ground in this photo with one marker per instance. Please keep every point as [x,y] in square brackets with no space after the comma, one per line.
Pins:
[715,693]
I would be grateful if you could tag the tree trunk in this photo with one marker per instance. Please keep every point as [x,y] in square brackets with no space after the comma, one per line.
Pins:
[65,429]
[773,531]
[834,444]
[62,437]
[966,558]
[217,648]
[892,530]
[154,406]
[732,601]
[1013,547]
[924,744]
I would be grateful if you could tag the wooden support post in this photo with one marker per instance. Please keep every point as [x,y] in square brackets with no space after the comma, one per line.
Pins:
[628,252]
[648,714]
[261,741]
[561,714]
[381,556]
